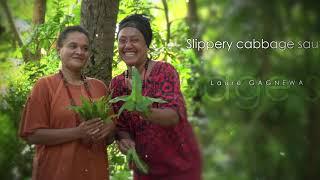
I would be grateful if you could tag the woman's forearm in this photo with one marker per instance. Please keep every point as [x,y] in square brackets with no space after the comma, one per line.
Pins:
[123,135]
[54,136]
[110,138]
[164,117]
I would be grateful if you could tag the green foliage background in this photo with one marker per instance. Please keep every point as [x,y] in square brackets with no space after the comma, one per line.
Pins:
[245,132]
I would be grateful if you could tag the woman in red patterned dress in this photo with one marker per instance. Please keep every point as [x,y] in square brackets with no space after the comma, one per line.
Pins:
[163,139]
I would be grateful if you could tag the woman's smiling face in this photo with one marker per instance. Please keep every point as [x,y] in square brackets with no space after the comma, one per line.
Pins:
[132,46]
[74,52]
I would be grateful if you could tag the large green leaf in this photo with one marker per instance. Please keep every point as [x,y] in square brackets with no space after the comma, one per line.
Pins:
[140,164]
[135,101]
[97,109]
[120,98]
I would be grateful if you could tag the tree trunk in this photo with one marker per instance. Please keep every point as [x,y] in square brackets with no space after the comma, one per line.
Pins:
[168,23]
[39,13]
[14,30]
[2,29]
[193,22]
[313,136]
[99,17]
[313,126]
[25,53]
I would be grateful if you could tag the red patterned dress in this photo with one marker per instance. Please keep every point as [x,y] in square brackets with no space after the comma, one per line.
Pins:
[170,152]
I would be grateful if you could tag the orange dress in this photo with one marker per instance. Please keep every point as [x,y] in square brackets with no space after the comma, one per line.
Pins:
[47,108]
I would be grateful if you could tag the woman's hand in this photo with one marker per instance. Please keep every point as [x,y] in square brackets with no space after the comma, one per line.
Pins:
[125,144]
[89,129]
[105,132]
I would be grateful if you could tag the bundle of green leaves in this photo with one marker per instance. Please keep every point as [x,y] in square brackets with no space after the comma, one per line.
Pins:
[96,109]
[133,157]
[135,101]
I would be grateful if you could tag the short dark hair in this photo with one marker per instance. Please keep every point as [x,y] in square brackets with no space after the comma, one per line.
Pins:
[70,29]
[140,22]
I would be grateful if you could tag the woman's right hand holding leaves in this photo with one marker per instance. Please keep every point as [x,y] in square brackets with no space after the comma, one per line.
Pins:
[89,129]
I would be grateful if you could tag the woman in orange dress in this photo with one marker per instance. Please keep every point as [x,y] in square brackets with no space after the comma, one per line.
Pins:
[66,147]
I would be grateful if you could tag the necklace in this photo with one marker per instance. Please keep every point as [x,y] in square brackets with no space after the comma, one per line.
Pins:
[72,101]
[66,85]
